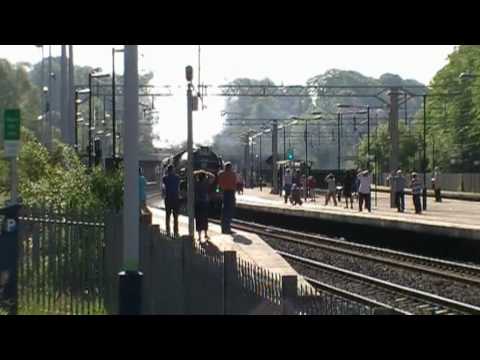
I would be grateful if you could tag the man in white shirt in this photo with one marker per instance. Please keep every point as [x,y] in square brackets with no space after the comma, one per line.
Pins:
[364,190]
[287,184]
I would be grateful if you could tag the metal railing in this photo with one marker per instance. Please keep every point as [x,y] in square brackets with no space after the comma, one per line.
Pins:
[61,261]
[184,277]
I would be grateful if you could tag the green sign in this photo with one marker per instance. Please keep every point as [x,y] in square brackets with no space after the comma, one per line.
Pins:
[12,124]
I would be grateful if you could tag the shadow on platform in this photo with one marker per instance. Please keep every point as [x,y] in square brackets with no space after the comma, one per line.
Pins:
[241,239]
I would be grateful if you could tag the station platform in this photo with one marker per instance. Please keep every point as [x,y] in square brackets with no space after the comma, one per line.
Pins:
[249,247]
[450,218]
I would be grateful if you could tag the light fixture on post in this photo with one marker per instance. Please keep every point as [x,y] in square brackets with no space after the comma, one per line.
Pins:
[94,74]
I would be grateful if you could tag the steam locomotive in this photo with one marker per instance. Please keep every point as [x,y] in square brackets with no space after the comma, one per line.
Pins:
[203,159]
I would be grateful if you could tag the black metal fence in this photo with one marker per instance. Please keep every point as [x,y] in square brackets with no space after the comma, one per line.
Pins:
[184,277]
[61,264]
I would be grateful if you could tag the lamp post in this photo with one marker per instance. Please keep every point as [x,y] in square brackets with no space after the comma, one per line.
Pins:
[92,75]
[306,144]
[190,183]
[339,119]
[260,162]
[49,100]
[367,112]
[114,124]
[77,102]
[42,85]
[424,152]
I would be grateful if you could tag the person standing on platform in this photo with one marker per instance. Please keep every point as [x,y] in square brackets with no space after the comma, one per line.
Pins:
[239,184]
[348,186]
[437,184]
[400,184]
[201,202]
[364,193]
[331,189]
[227,181]
[311,185]
[296,197]
[287,184]
[172,201]
[417,188]
[298,178]
[355,184]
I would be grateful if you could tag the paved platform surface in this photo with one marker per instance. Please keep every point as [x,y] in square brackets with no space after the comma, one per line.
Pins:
[450,217]
[249,247]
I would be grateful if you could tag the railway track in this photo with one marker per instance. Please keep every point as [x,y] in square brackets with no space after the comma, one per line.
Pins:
[465,273]
[368,290]
[400,299]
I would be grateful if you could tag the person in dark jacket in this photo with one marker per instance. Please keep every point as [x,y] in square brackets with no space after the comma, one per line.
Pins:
[202,185]
[172,201]
[417,188]
[348,186]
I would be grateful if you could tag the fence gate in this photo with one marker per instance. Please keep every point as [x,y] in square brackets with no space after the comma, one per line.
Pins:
[60,262]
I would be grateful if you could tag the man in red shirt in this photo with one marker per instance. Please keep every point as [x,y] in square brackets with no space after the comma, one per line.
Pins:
[227,180]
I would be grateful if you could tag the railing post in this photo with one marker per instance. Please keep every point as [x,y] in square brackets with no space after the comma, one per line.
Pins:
[289,294]
[229,268]
[383,311]
[187,250]
[130,292]
[9,246]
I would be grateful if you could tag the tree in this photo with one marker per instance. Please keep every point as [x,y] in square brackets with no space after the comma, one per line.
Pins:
[102,106]
[453,123]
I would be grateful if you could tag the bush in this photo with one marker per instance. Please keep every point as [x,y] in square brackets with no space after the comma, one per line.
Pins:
[59,179]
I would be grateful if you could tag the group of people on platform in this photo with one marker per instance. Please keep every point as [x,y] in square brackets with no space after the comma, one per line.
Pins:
[357,185]
[227,181]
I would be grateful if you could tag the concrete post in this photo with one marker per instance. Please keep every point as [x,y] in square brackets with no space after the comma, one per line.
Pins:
[289,293]
[131,200]
[130,280]
[393,129]
[229,268]
[63,95]
[187,253]
[275,157]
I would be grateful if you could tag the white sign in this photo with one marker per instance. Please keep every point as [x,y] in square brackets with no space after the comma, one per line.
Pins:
[11,148]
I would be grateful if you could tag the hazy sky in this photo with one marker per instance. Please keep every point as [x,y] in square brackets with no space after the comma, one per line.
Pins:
[290,64]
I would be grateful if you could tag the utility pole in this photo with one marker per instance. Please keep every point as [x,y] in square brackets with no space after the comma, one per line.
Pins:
[275,157]
[90,116]
[44,112]
[306,158]
[114,130]
[393,129]
[368,137]
[49,100]
[190,185]
[424,152]
[260,163]
[63,94]
[252,163]
[72,124]
[246,157]
[339,118]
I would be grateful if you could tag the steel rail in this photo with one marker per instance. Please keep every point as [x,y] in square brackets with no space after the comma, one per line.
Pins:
[455,271]
[414,294]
